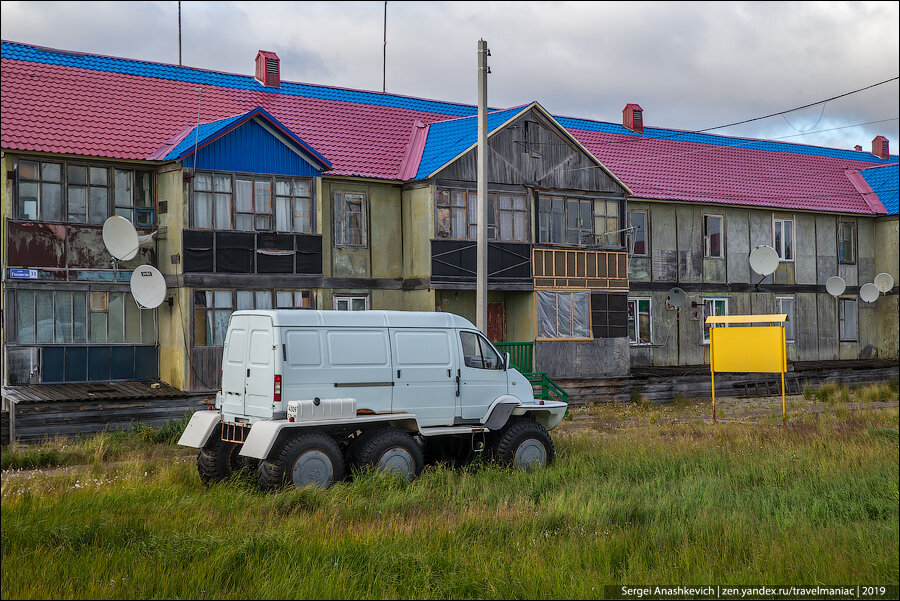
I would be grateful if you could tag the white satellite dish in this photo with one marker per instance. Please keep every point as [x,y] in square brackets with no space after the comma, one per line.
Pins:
[869,293]
[676,297]
[148,287]
[120,238]
[884,282]
[835,285]
[764,260]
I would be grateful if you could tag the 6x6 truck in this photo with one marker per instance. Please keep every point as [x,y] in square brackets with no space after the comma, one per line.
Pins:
[308,394]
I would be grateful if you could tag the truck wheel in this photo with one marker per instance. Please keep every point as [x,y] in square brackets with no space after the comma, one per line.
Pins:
[525,445]
[312,458]
[217,460]
[390,450]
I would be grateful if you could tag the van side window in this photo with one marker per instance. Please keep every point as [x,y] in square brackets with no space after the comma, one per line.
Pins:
[478,353]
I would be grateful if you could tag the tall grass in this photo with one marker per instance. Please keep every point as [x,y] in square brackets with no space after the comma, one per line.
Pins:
[814,503]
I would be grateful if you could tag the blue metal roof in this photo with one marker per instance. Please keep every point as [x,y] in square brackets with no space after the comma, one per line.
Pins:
[716,140]
[21,52]
[448,139]
[885,182]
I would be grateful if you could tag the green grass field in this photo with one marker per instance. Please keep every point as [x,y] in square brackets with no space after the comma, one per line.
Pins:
[649,501]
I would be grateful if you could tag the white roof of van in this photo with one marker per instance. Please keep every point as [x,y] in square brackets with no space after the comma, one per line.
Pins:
[392,319]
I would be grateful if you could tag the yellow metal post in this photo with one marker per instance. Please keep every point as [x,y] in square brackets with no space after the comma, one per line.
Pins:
[714,394]
[783,367]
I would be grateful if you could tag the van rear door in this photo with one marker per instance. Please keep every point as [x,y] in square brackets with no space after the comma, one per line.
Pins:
[234,368]
[260,367]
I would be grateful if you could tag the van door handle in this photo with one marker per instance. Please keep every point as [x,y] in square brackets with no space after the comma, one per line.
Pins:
[248,372]
[398,374]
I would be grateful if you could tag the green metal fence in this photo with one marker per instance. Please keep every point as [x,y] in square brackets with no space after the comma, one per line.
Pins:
[550,390]
[521,354]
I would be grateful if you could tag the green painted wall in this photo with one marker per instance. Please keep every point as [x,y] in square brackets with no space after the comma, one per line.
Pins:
[418,230]
[887,307]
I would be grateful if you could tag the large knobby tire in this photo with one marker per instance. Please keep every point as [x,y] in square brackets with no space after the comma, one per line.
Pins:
[218,460]
[308,459]
[391,451]
[525,445]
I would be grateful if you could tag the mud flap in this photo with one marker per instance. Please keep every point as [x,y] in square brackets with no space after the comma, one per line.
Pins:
[200,428]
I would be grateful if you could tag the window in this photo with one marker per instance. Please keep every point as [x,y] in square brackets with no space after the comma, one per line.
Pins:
[48,191]
[213,309]
[712,307]
[351,303]
[638,221]
[570,220]
[783,238]
[639,320]
[350,219]
[80,316]
[847,319]
[609,315]
[225,201]
[478,352]
[846,242]
[457,216]
[563,315]
[785,304]
[712,236]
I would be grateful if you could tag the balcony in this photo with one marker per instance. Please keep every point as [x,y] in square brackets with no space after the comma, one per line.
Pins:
[453,264]
[561,268]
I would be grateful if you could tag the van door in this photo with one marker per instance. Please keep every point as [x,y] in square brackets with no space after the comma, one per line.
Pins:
[483,376]
[234,360]
[425,374]
[359,365]
[260,368]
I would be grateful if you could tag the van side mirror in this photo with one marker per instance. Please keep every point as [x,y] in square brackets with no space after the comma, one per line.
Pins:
[506,362]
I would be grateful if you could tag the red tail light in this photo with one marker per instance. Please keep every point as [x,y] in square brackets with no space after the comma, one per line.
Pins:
[277,389]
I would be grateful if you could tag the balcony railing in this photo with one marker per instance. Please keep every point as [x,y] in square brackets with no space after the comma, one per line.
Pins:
[560,268]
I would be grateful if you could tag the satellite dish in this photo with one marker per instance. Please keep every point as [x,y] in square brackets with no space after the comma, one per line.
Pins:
[835,285]
[869,293]
[764,260]
[120,238]
[676,297]
[148,287]
[884,282]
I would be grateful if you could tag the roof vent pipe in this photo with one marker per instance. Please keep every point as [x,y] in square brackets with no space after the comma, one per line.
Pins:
[633,118]
[880,147]
[268,69]
[857,148]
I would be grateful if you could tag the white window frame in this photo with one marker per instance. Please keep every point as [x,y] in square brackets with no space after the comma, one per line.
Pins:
[349,298]
[703,329]
[636,300]
[707,254]
[780,248]
[779,309]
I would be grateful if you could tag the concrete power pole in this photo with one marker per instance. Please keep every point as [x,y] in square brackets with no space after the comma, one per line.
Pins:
[481,244]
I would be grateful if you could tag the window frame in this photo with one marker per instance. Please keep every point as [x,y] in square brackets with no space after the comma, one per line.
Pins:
[790,335]
[779,248]
[644,230]
[235,214]
[635,302]
[445,200]
[350,297]
[234,306]
[704,329]
[842,260]
[340,228]
[545,206]
[707,239]
[842,318]
[557,294]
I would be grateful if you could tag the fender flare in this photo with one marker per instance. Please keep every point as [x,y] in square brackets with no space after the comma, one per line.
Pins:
[500,411]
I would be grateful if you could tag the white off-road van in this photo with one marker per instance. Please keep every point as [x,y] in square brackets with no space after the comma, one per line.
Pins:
[308,394]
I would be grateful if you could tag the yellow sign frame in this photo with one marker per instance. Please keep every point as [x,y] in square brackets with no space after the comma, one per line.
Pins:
[749,348]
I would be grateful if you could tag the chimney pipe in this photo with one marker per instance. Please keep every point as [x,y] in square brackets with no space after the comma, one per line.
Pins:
[880,147]
[268,69]
[857,148]
[633,117]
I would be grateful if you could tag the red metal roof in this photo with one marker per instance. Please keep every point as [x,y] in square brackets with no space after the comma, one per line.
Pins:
[59,102]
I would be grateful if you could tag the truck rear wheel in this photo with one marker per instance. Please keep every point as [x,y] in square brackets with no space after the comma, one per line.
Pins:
[525,445]
[218,460]
[311,458]
[389,450]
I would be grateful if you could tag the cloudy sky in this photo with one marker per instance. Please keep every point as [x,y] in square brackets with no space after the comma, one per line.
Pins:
[690,65]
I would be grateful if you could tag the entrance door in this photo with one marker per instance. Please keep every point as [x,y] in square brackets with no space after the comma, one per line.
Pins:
[496,325]
[482,375]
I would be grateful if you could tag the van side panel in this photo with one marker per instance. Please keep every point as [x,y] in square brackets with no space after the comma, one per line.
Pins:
[425,374]
[234,366]
[260,371]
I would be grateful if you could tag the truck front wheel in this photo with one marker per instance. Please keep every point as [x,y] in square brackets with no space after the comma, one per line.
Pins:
[525,445]
[389,450]
[311,458]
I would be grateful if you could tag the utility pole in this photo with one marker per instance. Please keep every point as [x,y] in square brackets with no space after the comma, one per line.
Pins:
[384,60]
[179,33]
[481,244]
